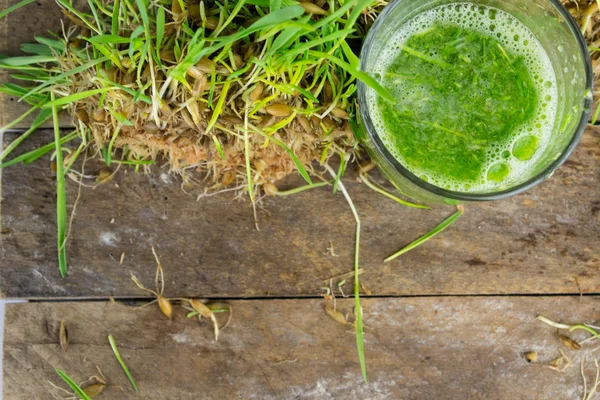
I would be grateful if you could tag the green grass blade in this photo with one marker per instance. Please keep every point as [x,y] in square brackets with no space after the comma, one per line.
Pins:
[367,181]
[340,172]
[443,225]
[304,93]
[218,108]
[83,19]
[143,56]
[358,74]
[95,13]
[585,328]
[108,155]
[279,143]
[42,117]
[116,351]
[232,15]
[274,5]
[136,33]
[18,91]
[120,118]
[64,75]
[20,118]
[334,16]
[350,56]
[77,97]
[199,50]
[37,49]
[247,159]
[33,155]
[107,53]
[75,387]
[108,39]
[308,45]
[136,95]
[74,157]
[285,36]
[133,162]
[141,4]
[596,114]
[61,195]
[10,9]
[360,340]
[356,12]
[218,146]
[160,29]
[114,27]
[26,60]
[301,189]
[55,44]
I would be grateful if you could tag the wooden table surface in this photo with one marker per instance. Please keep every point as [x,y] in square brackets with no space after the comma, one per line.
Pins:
[542,242]
[416,348]
[433,345]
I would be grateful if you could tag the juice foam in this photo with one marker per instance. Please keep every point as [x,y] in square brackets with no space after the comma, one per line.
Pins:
[507,159]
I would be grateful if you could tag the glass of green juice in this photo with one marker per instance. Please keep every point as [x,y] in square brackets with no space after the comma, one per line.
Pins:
[490,97]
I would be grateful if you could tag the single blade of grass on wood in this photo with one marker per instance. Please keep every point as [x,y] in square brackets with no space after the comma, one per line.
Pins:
[61,196]
[78,391]
[443,225]
[301,189]
[118,355]
[360,340]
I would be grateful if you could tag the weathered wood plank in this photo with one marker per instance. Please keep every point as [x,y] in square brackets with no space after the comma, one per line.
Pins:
[416,348]
[544,241]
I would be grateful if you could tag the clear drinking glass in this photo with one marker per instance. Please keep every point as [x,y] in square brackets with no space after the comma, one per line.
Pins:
[560,37]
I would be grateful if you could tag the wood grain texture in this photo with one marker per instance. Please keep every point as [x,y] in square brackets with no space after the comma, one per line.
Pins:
[416,348]
[544,241]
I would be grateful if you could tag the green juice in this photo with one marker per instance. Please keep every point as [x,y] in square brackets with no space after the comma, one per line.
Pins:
[476,98]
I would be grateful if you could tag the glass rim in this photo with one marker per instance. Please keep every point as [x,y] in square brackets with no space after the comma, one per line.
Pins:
[465,196]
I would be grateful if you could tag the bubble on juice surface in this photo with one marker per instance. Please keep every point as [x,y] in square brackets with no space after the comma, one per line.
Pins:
[525,147]
[516,38]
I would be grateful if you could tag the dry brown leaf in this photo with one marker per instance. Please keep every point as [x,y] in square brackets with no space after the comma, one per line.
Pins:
[63,336]
[336,315]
